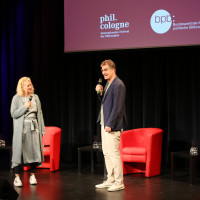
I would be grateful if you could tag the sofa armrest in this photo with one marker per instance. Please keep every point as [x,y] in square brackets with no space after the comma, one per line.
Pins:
[154,151]
[55,141]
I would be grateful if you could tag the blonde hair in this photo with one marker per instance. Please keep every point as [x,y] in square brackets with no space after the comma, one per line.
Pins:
[20,85]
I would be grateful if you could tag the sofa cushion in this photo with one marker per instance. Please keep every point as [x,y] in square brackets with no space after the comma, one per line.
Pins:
[46,151]
[134,151]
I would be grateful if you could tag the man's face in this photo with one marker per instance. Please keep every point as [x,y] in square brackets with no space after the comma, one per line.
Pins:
[27,87]
[107,72]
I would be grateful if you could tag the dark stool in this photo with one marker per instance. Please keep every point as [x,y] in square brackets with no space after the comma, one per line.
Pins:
[7,148]
[192,163]
[92,151]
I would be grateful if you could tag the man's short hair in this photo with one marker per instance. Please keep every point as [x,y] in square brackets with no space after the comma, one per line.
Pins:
[110,63]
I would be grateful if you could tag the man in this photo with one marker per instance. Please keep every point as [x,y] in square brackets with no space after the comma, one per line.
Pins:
[112,117]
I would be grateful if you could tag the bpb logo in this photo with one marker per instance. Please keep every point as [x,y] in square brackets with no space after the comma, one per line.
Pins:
[161,21]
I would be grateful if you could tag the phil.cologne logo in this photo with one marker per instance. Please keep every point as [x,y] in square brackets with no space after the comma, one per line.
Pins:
[111,27]
[161,21]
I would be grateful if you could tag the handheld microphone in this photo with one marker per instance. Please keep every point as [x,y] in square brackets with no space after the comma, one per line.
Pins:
[99,83]
[30,98]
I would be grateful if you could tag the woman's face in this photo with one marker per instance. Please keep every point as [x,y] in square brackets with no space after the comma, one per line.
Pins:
[27,87]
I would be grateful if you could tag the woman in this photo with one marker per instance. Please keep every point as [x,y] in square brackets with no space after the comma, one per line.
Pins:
[28,130]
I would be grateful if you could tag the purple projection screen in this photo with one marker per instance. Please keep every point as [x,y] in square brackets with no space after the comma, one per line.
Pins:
[115,24]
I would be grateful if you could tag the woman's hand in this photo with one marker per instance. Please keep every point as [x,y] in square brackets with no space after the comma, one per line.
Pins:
[27,104]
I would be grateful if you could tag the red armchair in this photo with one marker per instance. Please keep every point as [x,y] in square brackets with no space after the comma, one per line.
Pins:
[140,151]
[51,149]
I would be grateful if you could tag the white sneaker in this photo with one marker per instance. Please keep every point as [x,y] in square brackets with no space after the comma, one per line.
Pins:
[17,182]
[116,187]
[105,184]
[33,180]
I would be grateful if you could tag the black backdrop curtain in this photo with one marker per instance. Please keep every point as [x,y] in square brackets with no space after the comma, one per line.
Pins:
[162,84]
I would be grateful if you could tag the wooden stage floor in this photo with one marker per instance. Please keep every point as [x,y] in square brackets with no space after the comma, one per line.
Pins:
[68,184]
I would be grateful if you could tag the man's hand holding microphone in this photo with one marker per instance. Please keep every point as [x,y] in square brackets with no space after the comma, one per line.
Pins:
[99,88]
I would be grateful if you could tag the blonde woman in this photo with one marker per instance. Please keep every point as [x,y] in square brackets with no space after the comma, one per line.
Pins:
[28,129]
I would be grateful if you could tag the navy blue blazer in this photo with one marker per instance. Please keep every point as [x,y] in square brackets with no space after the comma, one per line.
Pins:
[114,105]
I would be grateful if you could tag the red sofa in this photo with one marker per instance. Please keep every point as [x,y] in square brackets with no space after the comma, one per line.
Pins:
[140,151]
[51,142]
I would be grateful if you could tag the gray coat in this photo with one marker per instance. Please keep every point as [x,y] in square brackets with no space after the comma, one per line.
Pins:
[17,112]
